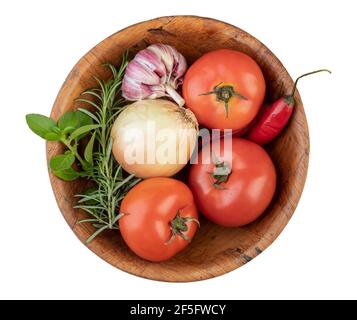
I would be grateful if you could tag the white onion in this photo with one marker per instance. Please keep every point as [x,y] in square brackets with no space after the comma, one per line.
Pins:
[153,138]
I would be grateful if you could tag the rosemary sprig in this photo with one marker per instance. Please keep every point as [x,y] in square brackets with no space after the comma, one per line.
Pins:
[111,182]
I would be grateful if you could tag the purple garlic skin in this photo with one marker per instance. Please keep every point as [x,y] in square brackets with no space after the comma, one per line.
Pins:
[155,72]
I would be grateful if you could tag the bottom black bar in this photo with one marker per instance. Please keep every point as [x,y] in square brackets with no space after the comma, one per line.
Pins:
[177,309]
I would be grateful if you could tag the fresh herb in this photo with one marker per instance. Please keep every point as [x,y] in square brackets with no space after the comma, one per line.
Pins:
[97,163]
[70,128]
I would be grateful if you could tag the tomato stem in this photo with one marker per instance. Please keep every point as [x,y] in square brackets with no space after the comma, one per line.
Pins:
[224,94]
[178,226]
[221,172]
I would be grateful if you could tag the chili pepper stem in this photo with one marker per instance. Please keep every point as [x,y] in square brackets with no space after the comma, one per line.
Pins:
[307,74]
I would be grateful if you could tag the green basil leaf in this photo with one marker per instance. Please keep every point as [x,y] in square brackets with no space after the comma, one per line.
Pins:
[56,130]
[68,122]
[67,174]
[52,136]
[88,152]
[62,162]
[41,125]
[76,134]
[83,119]
[73,120]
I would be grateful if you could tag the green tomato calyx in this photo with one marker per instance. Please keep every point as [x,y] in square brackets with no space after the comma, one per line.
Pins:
[223,94]
[178,226]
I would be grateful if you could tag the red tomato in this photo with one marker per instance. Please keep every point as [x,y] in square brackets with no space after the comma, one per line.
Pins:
[225,89]
[243,190]
[160,218]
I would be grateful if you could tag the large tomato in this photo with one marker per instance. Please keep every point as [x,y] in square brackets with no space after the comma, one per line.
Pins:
[160,218]
[225,89]
[233,192]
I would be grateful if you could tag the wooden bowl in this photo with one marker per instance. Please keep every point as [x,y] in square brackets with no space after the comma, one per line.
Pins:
[215,250]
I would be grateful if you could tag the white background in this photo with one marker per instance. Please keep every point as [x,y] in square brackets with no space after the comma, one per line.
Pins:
[315,256]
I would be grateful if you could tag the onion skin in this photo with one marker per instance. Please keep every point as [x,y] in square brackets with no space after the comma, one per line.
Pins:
[164,115]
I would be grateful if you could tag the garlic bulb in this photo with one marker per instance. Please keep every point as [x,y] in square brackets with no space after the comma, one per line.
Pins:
[154,138]
[154,72]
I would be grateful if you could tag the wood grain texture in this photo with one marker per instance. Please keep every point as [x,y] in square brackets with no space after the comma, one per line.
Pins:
[215,250]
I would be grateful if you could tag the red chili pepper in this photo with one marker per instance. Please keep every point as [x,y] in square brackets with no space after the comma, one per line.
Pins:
[272,119]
